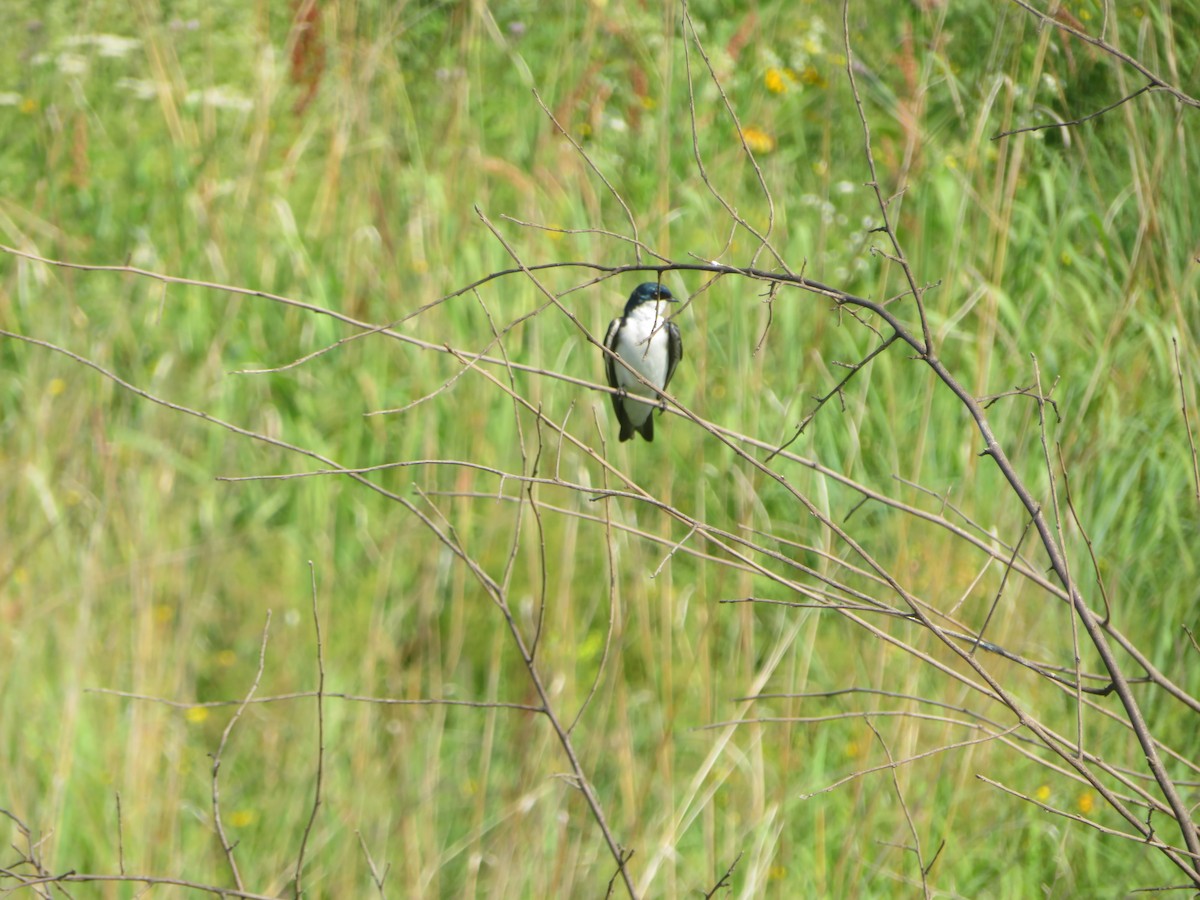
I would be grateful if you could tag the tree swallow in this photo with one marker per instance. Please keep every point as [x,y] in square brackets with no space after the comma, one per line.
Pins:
[650,345]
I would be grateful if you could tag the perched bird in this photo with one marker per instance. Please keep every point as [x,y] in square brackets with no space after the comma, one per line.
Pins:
[650,345]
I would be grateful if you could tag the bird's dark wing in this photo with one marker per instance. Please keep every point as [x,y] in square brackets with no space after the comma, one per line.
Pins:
[610,363]
[674,351]
[610,372]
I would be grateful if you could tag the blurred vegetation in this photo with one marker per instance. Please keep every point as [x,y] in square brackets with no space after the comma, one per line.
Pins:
[342,166]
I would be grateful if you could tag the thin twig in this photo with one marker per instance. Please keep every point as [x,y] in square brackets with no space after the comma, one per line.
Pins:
[377,877]
[312,818]
[1087,539]
[723,881]
[73,877]
[763,238]
[1000,590]
[226,847]
[328,695]
[636,240]
[1062,544]
[1108,48]
[120,837]
[926,349]
[1187,424]
[1079,121]
[912,827]
[613,597]
[836,391]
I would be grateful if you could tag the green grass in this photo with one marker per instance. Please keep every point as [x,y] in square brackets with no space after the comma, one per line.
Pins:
[124,565]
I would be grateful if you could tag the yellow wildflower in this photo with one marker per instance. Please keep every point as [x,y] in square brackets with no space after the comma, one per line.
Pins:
[758,140]
[774,81]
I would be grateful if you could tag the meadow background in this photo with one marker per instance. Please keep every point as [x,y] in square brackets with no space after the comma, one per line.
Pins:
[349,164]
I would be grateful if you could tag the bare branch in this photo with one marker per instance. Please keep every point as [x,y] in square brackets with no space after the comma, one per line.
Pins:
[635,240]
[926,348]
[1187,424]
[312,818]
[377,877]
[1155,80]
[912,828]
[226,847]
[1073,122]
[723,881]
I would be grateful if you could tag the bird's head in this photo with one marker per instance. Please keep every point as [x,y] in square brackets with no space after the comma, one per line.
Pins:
[648,292]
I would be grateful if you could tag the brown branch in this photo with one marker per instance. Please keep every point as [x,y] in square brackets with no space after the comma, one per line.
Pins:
[1087,539]
[1062,544]
[148,880]
[120,837]
[377,877]
[312,818]
[1079,121]
[613,597]
[1083,820]
[1000,590]
[912,827]
[763,238]
[723,881]
[925,754]
[304,695]
[926,349]
[836,391]
[226,847]
[636,240]
[638,245]
[1155,80]
[1187,424]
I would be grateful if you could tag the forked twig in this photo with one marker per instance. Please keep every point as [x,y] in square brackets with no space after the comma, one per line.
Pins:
[226,847]
[377,877]
[912,828]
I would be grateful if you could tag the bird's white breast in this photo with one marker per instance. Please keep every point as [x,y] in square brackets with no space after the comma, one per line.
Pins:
[643,343]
